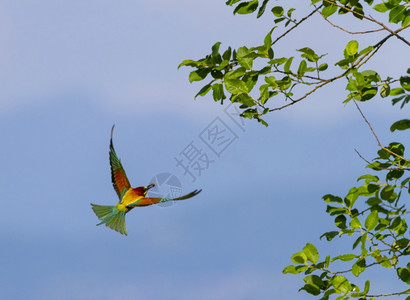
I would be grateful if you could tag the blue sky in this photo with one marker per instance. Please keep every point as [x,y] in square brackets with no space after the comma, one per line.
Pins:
[71,69]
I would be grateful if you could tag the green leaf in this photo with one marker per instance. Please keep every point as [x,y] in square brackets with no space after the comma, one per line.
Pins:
[312,289]
[340,221]
[404,275]
[235,86]
[302,68]
[365,50]
[279,20]
[341,284]
[397,14]
[388,194]
[294,269]
[204,90]
[231,2]
[351,197]
[243,59]
[366,287]
[330,198]
[380,7]
[383,154]
[278,11]
[356,242]
[262,8]
[400,125]
[396,148]
[329,10]
[244,99]
[215,49]
[217,74]
[246,7]
[332,210]
[368,178]
[345,257]
[378,166]
[189,62]
[278,61]
[368,189]
[406,22]
[401,243]
[271,81]
[355,223]
[227,55]
[286,67]
[268,39]
[218,91]
[311,253]
[385,90]
[358,267]
[198,75]
[309,54]
[323,67]
[250,113]
[222,65]
[373,201]
[371,220]
[352,48]
[329,235]
[299,258]
[396,91]
[234,74]
[284,83]
[405,82]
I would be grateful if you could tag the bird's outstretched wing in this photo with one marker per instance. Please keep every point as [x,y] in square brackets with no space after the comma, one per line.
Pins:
[187,196]
[149,201]
[118,177]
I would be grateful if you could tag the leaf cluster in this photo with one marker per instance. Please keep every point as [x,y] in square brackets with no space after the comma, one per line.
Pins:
[281,81]
[373,218]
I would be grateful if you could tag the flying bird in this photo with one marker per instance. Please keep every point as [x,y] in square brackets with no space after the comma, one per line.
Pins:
[129,198]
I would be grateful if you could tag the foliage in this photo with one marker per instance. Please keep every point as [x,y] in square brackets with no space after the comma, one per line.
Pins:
[372,216]
[281,81]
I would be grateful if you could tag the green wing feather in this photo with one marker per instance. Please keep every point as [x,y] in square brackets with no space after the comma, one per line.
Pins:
[118,177]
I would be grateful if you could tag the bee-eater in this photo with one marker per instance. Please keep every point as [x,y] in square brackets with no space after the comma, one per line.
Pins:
[114,216]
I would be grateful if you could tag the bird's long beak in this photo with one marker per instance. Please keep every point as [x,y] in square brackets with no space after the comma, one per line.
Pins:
[150,186]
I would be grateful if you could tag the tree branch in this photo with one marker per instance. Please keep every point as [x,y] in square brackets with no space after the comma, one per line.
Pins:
[375,136]
[391,294]
[377,167]
[347,31]
[371,19]
[296,25]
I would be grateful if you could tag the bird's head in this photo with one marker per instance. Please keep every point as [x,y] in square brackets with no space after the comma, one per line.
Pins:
[146,188]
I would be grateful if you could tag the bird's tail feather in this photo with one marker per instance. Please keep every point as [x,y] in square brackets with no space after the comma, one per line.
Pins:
[111,217]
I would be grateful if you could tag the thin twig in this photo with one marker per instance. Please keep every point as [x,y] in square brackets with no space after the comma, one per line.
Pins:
[377,167]
[375,136]
[371,19]
[391,294]
[347,31]
[296,25]
[393,32]
[311,91]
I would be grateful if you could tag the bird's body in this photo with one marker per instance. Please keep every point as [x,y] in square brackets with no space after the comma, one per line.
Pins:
[129,198]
